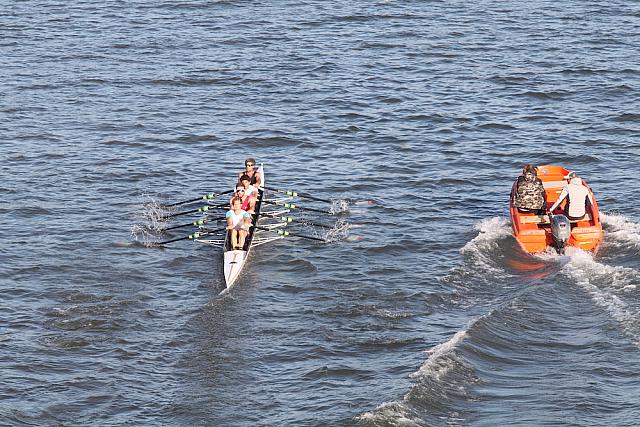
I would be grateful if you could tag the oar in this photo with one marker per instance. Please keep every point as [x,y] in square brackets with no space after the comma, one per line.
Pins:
[196,223]
[296,194]
[303,221]
[190,236]
[285,233]
[199,210]
[204,197]
[294,206]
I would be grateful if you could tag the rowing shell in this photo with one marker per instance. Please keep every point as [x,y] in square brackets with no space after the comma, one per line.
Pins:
[268,216]
[235,259]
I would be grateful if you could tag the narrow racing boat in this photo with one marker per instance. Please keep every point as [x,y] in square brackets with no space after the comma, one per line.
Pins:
[536,233]
[234,260]
[270,222]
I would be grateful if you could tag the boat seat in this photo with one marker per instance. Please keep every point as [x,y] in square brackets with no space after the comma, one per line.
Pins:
[544,219]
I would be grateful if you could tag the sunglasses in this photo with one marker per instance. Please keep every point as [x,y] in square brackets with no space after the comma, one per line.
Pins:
[239,190]
[249,164]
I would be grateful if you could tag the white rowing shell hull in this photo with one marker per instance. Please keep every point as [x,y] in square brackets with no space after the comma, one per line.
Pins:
[233,263]
[234,260]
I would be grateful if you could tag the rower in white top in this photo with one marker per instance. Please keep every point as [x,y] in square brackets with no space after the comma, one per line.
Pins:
[238,223]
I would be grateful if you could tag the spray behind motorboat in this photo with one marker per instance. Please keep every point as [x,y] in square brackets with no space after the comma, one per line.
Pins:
[560,231]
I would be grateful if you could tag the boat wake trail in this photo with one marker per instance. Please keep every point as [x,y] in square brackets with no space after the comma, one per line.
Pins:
[621,230]
[443,376]
[512,316]
[614,288]
[445,380]
[483,248]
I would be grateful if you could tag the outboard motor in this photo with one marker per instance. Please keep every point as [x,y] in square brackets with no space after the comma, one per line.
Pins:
[561,232]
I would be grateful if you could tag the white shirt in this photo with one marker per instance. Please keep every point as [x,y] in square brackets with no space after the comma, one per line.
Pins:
[237,219]
[577,194]
[251,191]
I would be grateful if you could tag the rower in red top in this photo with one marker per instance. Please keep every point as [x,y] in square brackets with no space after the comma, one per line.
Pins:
[250,193]
[251,171]
[238,192]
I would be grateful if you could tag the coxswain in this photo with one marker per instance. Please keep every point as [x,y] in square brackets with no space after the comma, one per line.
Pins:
[238,223]
[251,171]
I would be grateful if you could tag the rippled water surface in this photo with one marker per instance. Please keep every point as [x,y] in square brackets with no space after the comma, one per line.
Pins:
[420,113]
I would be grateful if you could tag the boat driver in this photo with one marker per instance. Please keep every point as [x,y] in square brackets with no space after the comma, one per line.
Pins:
[577,195]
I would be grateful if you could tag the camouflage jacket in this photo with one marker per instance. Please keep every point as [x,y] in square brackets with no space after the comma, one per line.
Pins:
[529,195]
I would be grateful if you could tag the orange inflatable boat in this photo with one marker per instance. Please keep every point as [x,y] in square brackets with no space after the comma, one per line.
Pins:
[536,232]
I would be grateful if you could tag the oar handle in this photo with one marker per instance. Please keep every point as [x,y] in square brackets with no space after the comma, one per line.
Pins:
[285,233]
[296,194]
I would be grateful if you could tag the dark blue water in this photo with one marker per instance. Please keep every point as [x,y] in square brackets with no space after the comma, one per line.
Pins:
[426,314]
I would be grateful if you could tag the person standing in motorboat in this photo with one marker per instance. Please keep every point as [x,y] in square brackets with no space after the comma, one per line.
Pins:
[238,223]
[530,196]
[255,178]
[577,196]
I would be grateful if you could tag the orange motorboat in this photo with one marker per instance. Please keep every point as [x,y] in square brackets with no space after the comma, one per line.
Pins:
[535,232]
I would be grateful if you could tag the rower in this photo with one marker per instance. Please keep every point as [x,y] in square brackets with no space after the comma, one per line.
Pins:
[250,192]
[238,223]
[248,202]
[255,177]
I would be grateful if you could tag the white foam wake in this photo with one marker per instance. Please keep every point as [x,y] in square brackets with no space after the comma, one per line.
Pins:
[622,229]
[608,286]
[436,366]
[482,248]
[491,230]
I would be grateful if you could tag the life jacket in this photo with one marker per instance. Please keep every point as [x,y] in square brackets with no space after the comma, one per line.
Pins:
[529,193]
